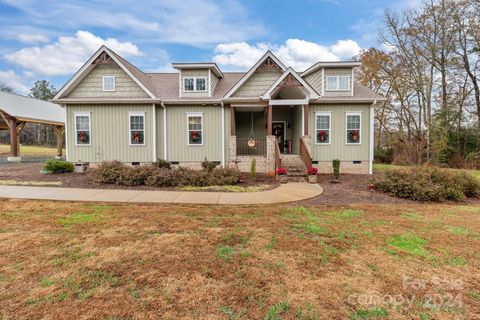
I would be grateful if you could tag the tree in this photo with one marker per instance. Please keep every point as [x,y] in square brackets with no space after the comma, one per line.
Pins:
[5,88]
[42,89]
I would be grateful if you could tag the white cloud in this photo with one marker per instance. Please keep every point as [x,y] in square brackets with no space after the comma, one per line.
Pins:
[32,38]
[299,54]
[67,54]
[11,79]
[346,48]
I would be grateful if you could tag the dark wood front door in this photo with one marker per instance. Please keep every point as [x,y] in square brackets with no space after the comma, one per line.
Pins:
[278,130]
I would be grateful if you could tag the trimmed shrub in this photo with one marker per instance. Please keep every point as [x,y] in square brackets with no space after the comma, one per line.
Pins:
[151,175]
[253,168]
[136,176]
[429,184]
[58,166]
[208,166]
[162,164]
[336,168]
[108,172]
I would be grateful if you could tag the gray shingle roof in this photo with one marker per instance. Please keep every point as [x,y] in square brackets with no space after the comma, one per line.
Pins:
[166,85]
[26,108]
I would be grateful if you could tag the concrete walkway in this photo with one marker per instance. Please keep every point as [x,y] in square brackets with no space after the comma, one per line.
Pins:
[293,191]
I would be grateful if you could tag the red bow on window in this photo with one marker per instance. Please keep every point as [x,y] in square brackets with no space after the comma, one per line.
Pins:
[136,137]
[322,136]
[355,135]
[194,136]
[82,136]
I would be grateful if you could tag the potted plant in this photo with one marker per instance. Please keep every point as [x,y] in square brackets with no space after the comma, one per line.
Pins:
[282,175]
[312,175]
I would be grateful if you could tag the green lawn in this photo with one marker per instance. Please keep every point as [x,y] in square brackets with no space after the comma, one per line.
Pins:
[384,167]
[31,151]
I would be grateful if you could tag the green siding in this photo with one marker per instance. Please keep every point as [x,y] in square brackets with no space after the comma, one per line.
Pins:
[177,143]
[160,135]
[338,149]
[110,134]
[92,85]
[260,81]
[227,132]
[296,129]
[315,80]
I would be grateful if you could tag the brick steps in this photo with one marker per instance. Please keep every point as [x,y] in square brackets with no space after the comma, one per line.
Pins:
[295,167]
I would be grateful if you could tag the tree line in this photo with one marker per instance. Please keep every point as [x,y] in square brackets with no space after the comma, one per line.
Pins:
[34,133]
[428,69]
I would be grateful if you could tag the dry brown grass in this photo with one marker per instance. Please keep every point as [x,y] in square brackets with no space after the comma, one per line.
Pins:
[76,260]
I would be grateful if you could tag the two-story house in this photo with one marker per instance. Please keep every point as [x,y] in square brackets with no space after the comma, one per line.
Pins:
[272,112]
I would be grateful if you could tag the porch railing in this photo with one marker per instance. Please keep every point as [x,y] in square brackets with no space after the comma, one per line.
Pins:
[278,159]
[243,149]
[305,154]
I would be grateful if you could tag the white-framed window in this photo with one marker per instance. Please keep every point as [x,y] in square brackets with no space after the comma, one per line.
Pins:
[195,84]
[323,127]
[195,128]
[83,136]
[354,127]
[200,84]
[108,83]
[338,83]
[136,125]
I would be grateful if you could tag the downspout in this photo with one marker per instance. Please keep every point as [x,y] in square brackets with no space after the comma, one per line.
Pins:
[154,126]
[223,133]
[372,111]
[67,144]
[164,131]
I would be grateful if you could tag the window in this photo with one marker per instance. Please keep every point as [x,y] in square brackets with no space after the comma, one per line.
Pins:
[195,128]
[200,84]
[82,129]
[194,84]
[338,83]
[137,128]
[189,84]
[322,127]
[108,83]
[354,128]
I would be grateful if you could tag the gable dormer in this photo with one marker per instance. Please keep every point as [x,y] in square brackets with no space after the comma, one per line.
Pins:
[332,79]
[197,79]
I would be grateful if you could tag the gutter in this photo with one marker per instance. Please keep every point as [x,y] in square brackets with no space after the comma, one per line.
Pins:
[223,133]
[372,139]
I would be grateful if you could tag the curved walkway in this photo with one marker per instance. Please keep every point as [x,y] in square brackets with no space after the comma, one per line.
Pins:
[293,191]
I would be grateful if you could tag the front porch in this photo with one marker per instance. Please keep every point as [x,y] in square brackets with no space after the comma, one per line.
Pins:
[268,133]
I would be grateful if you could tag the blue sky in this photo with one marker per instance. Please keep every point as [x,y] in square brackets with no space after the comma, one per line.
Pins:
[52,39]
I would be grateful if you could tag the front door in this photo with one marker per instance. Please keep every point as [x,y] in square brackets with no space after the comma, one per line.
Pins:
[278,129]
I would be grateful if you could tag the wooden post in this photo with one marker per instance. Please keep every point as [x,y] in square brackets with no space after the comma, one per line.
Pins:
[305,119]
[232,122]
[13,137]
[59,134]
[269,120]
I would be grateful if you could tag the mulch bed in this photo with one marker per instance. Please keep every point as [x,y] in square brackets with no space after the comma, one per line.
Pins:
[31,172]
